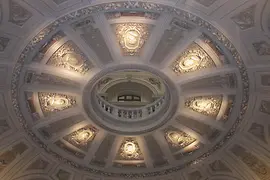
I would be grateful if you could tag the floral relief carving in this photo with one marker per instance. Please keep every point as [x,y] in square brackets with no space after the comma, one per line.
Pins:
[245,19]
[18,15]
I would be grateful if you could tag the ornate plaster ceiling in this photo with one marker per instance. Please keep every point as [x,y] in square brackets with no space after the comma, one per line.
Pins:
[212,57]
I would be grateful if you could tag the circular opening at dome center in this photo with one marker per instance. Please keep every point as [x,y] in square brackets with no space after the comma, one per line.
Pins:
[130,100]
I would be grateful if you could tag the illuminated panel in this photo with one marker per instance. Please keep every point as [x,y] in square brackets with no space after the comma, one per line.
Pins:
[132,37]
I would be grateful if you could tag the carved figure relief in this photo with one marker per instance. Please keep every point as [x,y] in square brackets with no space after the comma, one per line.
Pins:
[253,163]
[11,154]
[18,15]
[265,107]
[3,43]
[257,130]
[262,48]
[245,19]
[219,166]
[3,126]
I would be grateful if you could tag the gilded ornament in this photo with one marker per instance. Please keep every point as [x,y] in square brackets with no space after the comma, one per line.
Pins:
[207,105]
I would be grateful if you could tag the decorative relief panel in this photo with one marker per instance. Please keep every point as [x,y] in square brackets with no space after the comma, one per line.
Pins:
[84,23]
[4,126]
[207,105]
[265,107]
[245,19]
[59,1]
[63,175]
[192,59]
[265,79]
[11,154]
[50,130]
[43,78]
[177,139]
[129,165]
[53,102]
[206,3]
[262,48]
[31,106]
[154,81]
[103,82]
[129,150]
[82,138]
[47,45]
[70,57]
[196,175]
[38,164]
[229,108]
[219,167]
[147,15]
[3,43]
[216,48]
[132,37]
[18,15]
[258,131]
[69,150]
[254,164]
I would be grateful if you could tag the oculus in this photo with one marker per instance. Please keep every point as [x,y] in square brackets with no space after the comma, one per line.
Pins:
[209,105]
[132,37]
[179,139]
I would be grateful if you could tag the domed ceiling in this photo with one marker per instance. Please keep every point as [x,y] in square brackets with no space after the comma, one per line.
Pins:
[197,71]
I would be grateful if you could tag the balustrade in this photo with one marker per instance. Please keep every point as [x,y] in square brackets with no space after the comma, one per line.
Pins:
[130,113]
